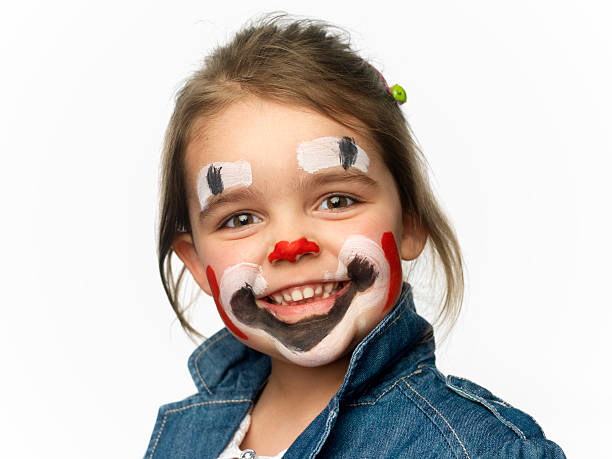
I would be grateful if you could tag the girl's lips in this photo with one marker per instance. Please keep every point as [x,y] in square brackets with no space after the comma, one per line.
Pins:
[292,313]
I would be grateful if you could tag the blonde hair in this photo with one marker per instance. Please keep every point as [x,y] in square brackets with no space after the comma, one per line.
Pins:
[311,64]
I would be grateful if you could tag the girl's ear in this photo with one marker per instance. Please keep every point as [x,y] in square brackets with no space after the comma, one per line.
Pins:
[185,249]
[414,238]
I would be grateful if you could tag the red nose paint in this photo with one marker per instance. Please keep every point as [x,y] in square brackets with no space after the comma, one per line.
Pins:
[395,267]
[214,286]
[289,251]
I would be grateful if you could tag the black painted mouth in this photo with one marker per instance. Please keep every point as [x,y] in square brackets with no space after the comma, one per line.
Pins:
[305,334]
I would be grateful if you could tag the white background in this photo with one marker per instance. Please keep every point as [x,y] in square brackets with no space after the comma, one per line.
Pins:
[509,101]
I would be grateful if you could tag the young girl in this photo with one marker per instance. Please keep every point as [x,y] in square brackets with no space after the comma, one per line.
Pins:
[291,191]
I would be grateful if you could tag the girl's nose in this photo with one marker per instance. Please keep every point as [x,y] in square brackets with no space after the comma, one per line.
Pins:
[292,251]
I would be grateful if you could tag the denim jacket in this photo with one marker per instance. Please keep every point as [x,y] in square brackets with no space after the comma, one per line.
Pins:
[393,402]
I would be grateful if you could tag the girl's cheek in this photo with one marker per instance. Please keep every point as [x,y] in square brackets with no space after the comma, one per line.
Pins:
[223,255]
[214,287]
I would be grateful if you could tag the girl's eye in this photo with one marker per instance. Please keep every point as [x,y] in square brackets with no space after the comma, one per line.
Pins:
[240,220]
[336,202]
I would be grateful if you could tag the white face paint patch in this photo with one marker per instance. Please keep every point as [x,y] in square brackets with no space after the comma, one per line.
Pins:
[312,340]
[236,277]
[365,305]
[216,177]
[327,152]
[361,246]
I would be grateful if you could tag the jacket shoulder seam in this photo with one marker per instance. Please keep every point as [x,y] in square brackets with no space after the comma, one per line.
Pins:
[386,391]
[441,416]
[490,407]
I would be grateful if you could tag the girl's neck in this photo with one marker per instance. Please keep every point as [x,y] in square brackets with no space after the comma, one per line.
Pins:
[290,400]
[297,385]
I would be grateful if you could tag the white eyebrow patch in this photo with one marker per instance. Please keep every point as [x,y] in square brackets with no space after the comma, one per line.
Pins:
[216,177]
[327,152]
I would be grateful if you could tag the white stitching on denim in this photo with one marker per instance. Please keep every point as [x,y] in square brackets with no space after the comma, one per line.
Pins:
[536,423]
[484,402]
[202,352]
[440,414]
[157,438]
[357,353]
[394,320]
[501,403]
[176,410]
[507,405]
[386,390]
[321,440]
[495,412]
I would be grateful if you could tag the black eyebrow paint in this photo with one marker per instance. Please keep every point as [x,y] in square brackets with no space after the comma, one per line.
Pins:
[213,177]
[348,152]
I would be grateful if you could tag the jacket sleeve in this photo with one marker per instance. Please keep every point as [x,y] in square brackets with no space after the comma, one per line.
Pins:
[531,448]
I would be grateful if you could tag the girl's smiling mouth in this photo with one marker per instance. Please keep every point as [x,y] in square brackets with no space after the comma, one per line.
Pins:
[300,327]
[293,304]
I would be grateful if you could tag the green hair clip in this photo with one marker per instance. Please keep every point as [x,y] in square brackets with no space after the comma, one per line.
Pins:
[398,94]
[396,91]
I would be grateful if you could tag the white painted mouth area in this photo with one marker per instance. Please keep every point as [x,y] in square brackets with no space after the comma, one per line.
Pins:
[324,152]
[364,304]
[236,277]
[356,322]
[233,174]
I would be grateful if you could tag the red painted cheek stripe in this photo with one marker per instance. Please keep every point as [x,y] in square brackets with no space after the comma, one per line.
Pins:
[214,286]
[395,267]
[284,250]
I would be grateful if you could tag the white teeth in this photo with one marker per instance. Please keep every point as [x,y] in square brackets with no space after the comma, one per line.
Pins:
[305,294]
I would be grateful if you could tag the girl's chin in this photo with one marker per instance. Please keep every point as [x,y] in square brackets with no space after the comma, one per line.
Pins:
[339,350]
[293,313]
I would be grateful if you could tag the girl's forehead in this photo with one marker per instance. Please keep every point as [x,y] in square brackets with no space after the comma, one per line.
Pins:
[268,135]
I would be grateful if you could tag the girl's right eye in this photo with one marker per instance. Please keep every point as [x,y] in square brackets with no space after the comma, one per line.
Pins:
[240,220]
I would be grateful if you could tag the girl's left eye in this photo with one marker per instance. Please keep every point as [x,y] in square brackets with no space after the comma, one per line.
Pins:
[336,201]
[240,220]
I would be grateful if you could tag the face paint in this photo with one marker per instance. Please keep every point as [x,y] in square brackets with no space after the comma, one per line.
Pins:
[348,152]
[291,251]
[358,245]
[216,177]
[331,152]
[321,329]
[303,335]
[212,281]
[236,277]
[392,255]
[213,177]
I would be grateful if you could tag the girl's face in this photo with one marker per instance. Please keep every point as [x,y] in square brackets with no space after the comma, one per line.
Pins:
[297,229]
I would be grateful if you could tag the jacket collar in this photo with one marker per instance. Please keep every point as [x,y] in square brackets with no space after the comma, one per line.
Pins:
[402,340]
[222,366]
